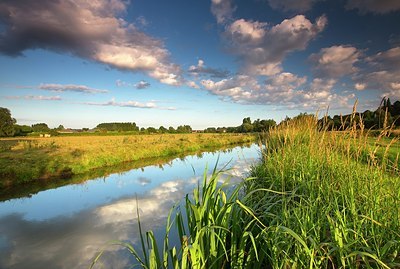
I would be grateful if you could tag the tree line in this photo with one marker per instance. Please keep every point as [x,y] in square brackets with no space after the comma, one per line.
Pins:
[387,114]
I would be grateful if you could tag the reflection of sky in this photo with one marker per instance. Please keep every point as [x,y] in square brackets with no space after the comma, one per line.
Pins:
[63,228]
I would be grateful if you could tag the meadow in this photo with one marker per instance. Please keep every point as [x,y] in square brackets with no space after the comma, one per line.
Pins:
[317,199]
[25,160]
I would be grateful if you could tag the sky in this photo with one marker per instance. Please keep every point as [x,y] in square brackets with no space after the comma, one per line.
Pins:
[204,63]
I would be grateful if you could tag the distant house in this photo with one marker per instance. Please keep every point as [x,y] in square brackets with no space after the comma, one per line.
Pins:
[44,135]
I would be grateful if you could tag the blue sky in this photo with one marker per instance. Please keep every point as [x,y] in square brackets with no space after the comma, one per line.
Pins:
[204,63]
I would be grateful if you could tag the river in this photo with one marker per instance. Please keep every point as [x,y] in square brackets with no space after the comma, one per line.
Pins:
[67,226]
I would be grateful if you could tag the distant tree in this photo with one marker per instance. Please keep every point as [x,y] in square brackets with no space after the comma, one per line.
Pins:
[368,119]
[171,130]
[6,122]
[151,130]
[210,130]
[40,128]
[396,108]
[246,126]
[221,130]
[336,122]
[232,129]
[22,130]
[162,129]
[118,126]
[184,129]
[388,103]
[396,112]
[264,125]
[85,129]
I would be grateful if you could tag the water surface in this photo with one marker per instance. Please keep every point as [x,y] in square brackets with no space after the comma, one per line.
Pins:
[65,227]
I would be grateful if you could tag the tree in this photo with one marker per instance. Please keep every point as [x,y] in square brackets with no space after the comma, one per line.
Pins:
[246,126]
[22,130]
[151,130]
[6,122]
[184,129]
[162,129]
[40,128]
[118,126]
[210,130]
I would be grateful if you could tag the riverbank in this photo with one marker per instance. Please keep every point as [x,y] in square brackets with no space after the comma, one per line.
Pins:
[318,199]
[23,160]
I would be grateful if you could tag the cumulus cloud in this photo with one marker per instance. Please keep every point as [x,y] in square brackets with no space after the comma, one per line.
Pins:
[382,73]
[201,69]
[292,5]
[335,61]
[374,6]
[69,88]
[36,97]
[282,89]
[239,88]
[388,60]
[222,10]
[92,30]
[131,104]
[262,49]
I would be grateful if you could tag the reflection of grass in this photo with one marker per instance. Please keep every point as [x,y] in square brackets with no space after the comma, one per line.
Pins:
[27,159]
[24,190]
[316,200]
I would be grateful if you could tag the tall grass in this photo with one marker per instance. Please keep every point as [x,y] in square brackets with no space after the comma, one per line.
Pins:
[340,208]
[318,199]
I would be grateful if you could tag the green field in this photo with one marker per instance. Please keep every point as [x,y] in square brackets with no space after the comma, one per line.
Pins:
[318,199]
[24,160]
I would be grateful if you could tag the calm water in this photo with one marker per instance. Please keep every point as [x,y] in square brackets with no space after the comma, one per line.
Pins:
[67,226]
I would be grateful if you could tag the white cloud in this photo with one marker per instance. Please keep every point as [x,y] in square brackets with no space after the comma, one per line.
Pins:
[239,88]
[282,89]
[192,84]
[292,5]
[222,10]
[131,104]
[388,60]
[89,29]
[382,73]
[360,86]
[201,69]
[142,85]
[125,104]
[244,31]
[262,49]
[69,88]
[335,61]
[36,97]
[374,6]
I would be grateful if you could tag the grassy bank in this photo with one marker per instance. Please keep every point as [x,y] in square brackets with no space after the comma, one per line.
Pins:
[338,204]
[24,160]
[317,200]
